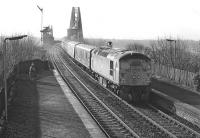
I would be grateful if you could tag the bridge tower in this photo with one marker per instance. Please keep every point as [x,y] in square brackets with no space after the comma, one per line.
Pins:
[75,31]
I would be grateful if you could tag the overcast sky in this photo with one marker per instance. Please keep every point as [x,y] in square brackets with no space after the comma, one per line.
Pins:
[124,19]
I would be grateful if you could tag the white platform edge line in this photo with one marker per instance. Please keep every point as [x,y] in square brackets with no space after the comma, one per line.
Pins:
[87,120]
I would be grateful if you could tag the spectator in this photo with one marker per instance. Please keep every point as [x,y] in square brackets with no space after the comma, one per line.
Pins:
[32,72]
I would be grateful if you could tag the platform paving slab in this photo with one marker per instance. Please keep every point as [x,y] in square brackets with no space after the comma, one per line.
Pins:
[40,109]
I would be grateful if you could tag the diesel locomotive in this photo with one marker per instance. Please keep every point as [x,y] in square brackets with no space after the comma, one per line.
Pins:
[127,73]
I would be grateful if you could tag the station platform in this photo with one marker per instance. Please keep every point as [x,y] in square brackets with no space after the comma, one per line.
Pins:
[183,101]
[46,108]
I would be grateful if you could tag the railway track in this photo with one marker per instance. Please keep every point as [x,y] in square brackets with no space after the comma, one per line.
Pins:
[110,123]
[175,127]
[141,120]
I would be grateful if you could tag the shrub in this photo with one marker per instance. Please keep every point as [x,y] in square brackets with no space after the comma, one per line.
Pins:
[20,50]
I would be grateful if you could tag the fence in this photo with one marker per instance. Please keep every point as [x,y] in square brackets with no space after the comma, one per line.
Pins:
[182,77]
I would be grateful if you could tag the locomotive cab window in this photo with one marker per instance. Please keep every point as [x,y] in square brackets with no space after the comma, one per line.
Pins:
[111,68]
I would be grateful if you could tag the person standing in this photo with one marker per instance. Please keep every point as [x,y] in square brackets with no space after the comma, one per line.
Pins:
[32,72]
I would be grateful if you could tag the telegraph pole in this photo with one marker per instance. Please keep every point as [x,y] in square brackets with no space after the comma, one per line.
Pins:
[174,61]
[41,9]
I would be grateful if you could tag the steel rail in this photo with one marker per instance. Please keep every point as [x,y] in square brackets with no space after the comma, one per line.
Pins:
[154,122]
[134,109]
[130,130]
[73,91]
[177,122]
[101,103]
[140,113]
[165,116]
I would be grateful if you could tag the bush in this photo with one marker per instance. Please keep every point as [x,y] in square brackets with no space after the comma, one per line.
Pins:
[20,50]
[175,54]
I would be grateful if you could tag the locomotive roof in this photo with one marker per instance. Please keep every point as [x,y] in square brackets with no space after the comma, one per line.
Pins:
[116,53]
[105,51]
[86,47]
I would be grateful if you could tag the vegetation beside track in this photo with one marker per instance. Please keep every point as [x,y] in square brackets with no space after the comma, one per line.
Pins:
[21,50]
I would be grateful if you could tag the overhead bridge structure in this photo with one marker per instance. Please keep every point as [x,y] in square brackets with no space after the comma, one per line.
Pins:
[75,31]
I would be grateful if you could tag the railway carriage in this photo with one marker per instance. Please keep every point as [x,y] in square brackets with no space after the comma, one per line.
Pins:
[70,47]
[83,54]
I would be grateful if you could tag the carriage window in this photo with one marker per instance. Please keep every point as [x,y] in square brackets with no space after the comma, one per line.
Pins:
[111,68]
[111,64]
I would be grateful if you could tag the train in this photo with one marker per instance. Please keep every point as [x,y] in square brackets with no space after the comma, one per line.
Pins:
[127,73]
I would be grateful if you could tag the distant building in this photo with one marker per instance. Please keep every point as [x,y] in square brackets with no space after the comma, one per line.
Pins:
[47,35]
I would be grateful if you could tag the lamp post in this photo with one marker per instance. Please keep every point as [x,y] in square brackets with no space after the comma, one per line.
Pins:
[172,40]
[4,69]
[41,9]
